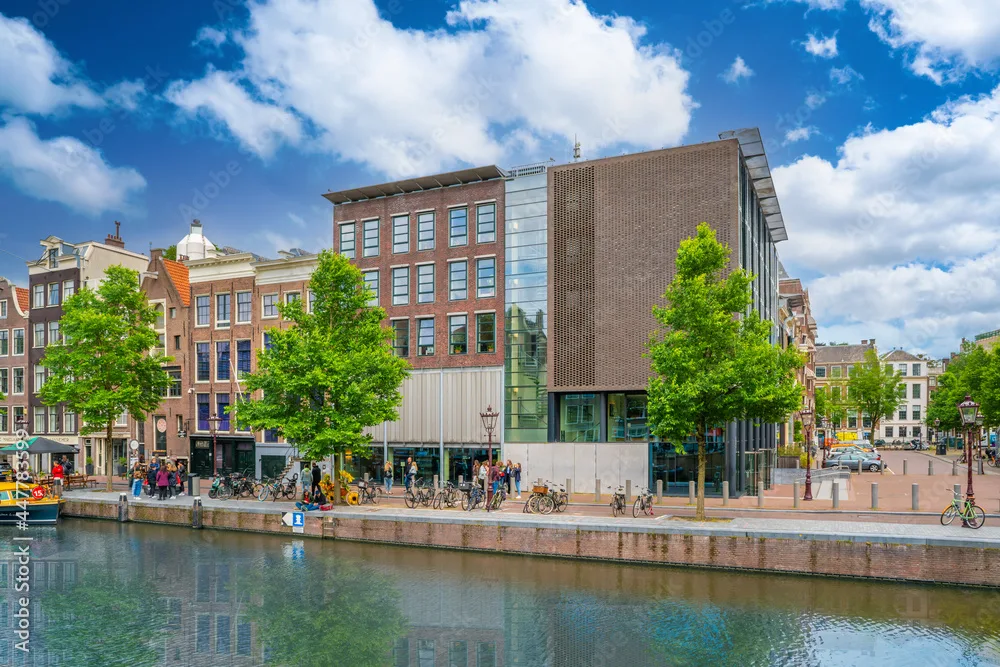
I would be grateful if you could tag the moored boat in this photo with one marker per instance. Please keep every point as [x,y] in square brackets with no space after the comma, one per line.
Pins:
[27,504]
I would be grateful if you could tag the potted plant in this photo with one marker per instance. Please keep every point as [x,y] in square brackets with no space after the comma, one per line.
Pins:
[122,462]
[90,465]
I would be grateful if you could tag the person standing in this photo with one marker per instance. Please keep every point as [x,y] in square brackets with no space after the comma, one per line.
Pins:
[508,473]
[58,472]
[181,471]
[517,478]
[316,476]
[162,480]
[67,465]
[413,472]
[495,476]
[136,480]
[484,472]
[171,479]
[387,471]
[408,471]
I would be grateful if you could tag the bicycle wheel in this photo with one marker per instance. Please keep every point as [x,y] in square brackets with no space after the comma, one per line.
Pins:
[637,507]
[466,501]
[264,494]
[562,502]
[410,499]
[977,517]
[438,500]
[212,493]
[546,504]
[647,506]
[948,515]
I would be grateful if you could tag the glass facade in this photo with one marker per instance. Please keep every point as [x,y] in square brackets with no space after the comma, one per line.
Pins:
[526,332]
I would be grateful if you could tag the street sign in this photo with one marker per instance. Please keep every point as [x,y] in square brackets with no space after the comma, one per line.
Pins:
[297,521]
[133,445]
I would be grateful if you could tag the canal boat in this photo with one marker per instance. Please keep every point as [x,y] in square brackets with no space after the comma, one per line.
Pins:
[41,508]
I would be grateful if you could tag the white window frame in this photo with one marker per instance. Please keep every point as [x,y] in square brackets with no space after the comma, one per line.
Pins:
[263,306]
[68,289]
[234,354]
[36,292]
[3,309]
[250,301]
[54,425]
[35,371]
[13,374]
[215,360]
[24,345]
[35,343]
[226,323]
[5,386]
[208,322]
[210,351]
[48,295]
[54,333]
[5,335]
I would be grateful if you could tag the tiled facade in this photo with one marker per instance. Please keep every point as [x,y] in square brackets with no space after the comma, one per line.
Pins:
[14,331]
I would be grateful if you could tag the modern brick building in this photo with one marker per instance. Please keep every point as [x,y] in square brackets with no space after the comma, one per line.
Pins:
[432,250]
[14,328]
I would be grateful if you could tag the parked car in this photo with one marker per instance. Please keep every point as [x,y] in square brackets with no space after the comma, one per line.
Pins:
[880,443]
[855,461]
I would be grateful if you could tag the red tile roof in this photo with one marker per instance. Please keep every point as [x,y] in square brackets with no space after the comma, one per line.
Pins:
[179,275]
[23,298]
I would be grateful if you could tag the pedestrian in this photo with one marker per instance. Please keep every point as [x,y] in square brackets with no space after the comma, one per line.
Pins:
[316,476]
[475,470]
[181,472]
[413,472]
[387,471]
[495,475]
[171,479]
[484,471]
[517,478]
[408,471]
[57,471]
[162,480]
[508,473]
[136,480]
[67,465]
[151,479]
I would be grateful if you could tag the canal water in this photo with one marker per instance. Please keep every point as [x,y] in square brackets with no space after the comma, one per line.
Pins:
[108,594]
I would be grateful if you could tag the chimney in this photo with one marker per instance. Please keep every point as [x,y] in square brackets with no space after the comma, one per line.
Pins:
[115,240]
[196,226]
[864,342]
[872,341]
[154,255]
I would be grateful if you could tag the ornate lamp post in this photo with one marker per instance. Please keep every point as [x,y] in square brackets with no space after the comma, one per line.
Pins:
[937,431]
[969,410]
[489,423]
[214,420]
[979,439]
[807,419]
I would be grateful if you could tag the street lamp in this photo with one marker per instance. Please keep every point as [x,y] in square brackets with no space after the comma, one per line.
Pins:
[807,419]
[826,437]
[969,410]
[489,423]
[213,420]
[979,439]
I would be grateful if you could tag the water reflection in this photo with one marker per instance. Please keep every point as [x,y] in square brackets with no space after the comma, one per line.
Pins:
[110,594]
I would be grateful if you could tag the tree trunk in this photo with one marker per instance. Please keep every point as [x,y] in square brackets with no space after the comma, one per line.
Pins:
[336,479]
[700,507]
[107,457]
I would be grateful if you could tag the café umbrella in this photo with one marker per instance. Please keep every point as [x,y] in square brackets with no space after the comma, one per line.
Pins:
[41,445]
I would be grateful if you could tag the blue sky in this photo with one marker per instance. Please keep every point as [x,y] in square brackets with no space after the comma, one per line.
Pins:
[879,116]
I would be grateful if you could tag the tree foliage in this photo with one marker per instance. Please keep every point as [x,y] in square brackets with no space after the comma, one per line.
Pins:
[171,252]
[103,366]
[973,372]
[873,389]
[332,374]
[713,359]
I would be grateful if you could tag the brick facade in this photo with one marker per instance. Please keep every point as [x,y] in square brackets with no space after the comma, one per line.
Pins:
[439,201]
[14,334]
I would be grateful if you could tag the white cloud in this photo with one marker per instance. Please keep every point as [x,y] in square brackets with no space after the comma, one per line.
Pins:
[902,227]
[800,134]
[821,47]
[36,78]
[815,99]
[64,170]
[813,4]
[258,126]
[506,74]
[738,70]
[845,75]
[126,94]
[209,37]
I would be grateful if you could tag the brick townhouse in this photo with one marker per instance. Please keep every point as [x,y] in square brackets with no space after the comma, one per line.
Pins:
[14,327]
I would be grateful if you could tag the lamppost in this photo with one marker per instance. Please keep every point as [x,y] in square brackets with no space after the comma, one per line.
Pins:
[489,423]
[213,420]
[979,439]
[807,419]
[969,410]
[825,423]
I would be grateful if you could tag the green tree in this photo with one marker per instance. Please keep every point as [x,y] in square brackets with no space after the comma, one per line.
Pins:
[873,390]
[104,366]
[713,359]
[171,252]
[326,379]
[974,372]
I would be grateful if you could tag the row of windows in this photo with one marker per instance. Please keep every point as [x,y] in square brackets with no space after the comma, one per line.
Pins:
[48,295]
[47,420]
[914,411]
[11,381]
[220,419]
[9,419]
[901,431]
[458,231]
[12,341]
[458,282]
[838,371]
[244,307]
[38,335]
[226,365]
[458,335]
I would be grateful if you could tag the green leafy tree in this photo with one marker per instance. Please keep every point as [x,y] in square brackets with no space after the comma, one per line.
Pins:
[974,372]
[104,366]
[171,252]
[326,379]
[713,359]
[873,389]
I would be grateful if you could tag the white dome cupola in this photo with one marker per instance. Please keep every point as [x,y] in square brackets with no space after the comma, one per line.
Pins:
[195,245]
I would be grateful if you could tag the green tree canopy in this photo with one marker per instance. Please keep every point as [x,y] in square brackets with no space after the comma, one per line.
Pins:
[103,366]
[332,374]
[171,252]
[873,389]
[974,372]
[713,357]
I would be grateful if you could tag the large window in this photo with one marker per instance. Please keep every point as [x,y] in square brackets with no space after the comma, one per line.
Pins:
[902,370]
[222,360]
[3,309]
[458,334]
[204,363]
[836,372]
[18,381]
[221,408]
[627,417]
[54,425]
[18,342]
[203,310]
[425,231]
[888,431]
[401,338]
[40,376]
[579,417]
[821,371]
[174,390]
[4,342]
[269,304]
[902,412]
[38,334]
[486,277]
[347,240]
[458,280]
[222,314]
[54,332]
[371,282]
[916,391]
[4,421]
[69,289]
[458,226]
[370,233]
[40,420]
[38,296]
[53,294]
[69,421]
[425,283]
[4,381]
[242,358]
[486,333]
[486,223]
[244,307]
[915,413]
[401,286]
[400,234]
[425,337]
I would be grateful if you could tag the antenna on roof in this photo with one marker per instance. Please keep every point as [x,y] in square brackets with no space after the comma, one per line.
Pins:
[576,149]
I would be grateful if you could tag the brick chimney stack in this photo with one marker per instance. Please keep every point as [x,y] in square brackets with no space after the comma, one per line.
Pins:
[155,254]
[115,240]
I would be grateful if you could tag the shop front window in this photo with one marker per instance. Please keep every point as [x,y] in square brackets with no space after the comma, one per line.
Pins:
[627,417]
[579,417]
[677,466]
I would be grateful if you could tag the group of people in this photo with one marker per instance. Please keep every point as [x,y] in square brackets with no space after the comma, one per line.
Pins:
[62,468]
[497,473]
[164,477]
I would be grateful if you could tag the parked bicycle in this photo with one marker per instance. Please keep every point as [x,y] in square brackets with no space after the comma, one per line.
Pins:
[560,499]
[617,501]
[539,502]
[278,488]
[643,503]
[446,497]
[497,500]
[418,494]
[970,513]
[473,496]
[368,492]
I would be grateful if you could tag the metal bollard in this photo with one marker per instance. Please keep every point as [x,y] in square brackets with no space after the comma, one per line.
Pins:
[874,496]
[930,468]
[958,490]
[437,485]
[123,507]
[597,491]
[906,468]
[366,478]
[196,513]
[915,497]
[461,480]
[980,466]
[795,495]
[836,494]
[569,487]
[725,493]
[760,496]
[659,491]
[954,468]
[690,493]
[628,490]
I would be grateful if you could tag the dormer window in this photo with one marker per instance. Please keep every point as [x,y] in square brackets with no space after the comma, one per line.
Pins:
[53,258]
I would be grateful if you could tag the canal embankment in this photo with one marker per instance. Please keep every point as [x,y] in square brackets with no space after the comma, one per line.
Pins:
[884,551]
